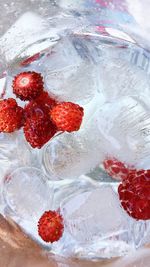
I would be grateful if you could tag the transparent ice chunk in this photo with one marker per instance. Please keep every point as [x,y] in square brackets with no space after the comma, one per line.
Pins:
[125,124]
[12,10]
[140,11]
[85,220]
[67,187]
[15,152]
[21,36]
[120,77]
[27,194]
[71,155]
[95,225]
[70,71]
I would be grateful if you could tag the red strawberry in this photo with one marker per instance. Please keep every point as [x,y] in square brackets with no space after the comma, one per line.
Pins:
[39,130]
[50,226]
[40,105]
[116,169]
[67,116]
[11,115]
[28,85]
[46,100]
[134,194]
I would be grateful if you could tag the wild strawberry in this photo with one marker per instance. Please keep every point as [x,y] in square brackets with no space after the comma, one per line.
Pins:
[28,85]
[50,226]
[134,194]
[39,130]
[46,100]
[116,169]
[41,105]
[67,116]
[11,115]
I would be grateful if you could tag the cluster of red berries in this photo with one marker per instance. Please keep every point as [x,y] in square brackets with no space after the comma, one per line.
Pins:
[134,189]
[42,116]
[134,194]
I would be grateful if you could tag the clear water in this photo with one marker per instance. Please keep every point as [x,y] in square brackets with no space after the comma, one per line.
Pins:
[107,74]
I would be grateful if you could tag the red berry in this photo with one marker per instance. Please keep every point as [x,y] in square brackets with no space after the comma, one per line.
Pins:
[28,85]
[67,116]
[116,169]
[50,226]
[39,130]
[11,115]
[29,60]
[134,194]
[46,100]
[41,105]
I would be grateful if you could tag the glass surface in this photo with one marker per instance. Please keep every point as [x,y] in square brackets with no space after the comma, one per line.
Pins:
[94,53]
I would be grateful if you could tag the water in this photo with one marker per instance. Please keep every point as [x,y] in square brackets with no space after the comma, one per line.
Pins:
[102,67]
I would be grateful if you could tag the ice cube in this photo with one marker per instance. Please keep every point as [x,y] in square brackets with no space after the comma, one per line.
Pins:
[140,11]
[95,224]
[11,156]
[67,187]
[71,73]
[21,36]
[70,155]
[89,215]
[12,10]
[8,151]
[125,124]
[119,77]
[27,194]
